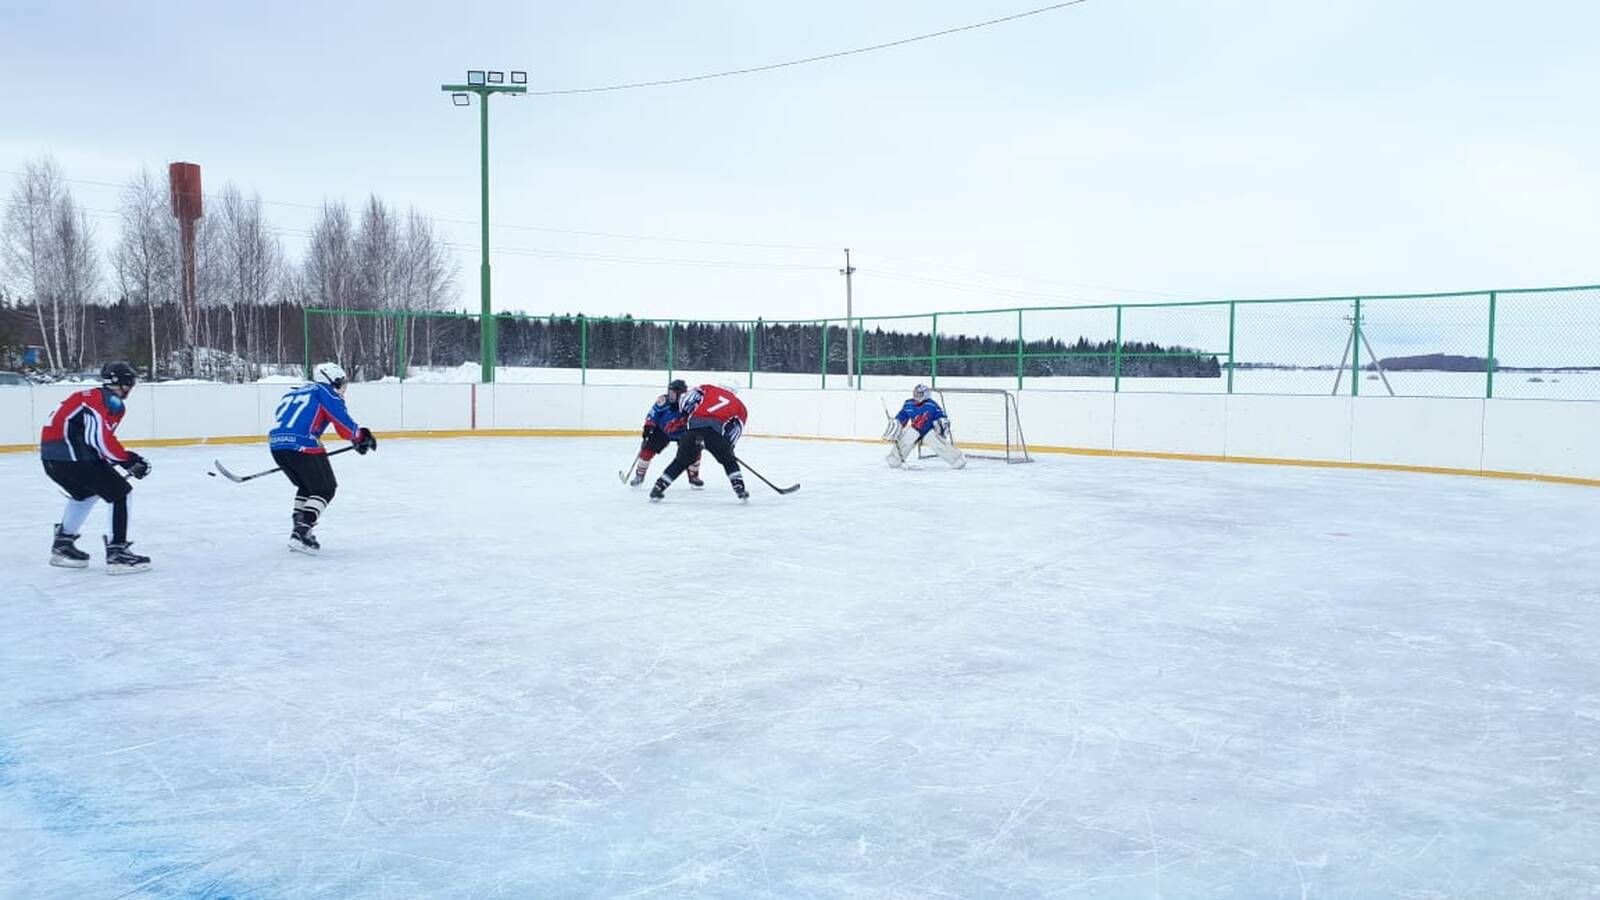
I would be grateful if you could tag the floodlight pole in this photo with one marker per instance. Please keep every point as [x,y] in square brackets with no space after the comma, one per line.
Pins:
[486,327]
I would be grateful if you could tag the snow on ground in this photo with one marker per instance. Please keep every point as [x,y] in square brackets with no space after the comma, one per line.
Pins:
[510,676]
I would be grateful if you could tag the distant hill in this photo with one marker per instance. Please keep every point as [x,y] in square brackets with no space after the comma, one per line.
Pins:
[1432,362]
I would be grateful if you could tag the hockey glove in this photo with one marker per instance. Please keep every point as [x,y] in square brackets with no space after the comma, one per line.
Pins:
[649,430]
[731,430]
[891,431]
[365,441]
[137,465]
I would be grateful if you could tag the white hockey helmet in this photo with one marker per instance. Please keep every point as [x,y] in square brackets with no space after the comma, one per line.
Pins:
[920,392]
[330,374]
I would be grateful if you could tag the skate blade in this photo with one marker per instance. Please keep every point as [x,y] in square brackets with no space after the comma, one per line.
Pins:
[62,562]
[697,487]
[128,570]
[298,547]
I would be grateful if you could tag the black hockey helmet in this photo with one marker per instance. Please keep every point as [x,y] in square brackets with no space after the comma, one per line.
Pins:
[679,385]
[118,374]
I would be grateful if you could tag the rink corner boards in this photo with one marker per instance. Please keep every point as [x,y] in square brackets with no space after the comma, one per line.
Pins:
[1035,448]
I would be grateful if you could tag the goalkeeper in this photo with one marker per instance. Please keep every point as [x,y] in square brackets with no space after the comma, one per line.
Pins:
[921,421]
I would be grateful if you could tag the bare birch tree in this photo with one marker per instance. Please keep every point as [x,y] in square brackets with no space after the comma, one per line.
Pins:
[378,264]
[27,248]
[146,256]
[328,273]
[427,279]
[78,276]
[250,260]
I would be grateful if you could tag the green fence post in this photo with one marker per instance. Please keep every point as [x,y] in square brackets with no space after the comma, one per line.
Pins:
[583,349]
[1019,349]
[1116,359]
[305,333]
[671,328]
[1231,308]
[1355,351]
[824,354]
[861,350]
[934,375]
[753,331]
[1488,364]
[400,349]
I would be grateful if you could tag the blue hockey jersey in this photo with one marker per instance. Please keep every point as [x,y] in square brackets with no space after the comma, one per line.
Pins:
[667,417]
[921,416]
[304,414]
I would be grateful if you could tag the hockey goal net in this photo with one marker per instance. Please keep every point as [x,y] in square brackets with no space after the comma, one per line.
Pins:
[984,423]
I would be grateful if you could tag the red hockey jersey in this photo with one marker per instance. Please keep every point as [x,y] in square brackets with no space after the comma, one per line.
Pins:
[709,405]
[84,428]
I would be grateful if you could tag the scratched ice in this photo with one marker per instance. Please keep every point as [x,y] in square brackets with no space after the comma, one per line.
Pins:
[510,676]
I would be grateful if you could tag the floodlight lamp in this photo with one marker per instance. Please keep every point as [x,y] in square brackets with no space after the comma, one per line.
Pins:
[460,99]
[475,76]
[497,77]
[519,77]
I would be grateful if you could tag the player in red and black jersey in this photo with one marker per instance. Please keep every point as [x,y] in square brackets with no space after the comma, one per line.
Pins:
[79,446]
[716,418]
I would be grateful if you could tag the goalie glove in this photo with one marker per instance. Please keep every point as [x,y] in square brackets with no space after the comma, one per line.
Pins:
[891,431]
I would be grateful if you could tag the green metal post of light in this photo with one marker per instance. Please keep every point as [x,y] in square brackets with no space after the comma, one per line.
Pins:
[483,83]
[1488,365]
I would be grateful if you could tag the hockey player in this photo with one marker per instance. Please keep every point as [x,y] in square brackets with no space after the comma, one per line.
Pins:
[715,418]
[662,425]
[296,444]
[79,446]
[921,421]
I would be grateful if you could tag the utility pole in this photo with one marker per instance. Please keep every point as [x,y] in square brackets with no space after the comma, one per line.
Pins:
[484,83]
[849,329]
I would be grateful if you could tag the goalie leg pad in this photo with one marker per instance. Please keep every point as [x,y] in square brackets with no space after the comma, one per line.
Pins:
[940,444]
[904,448]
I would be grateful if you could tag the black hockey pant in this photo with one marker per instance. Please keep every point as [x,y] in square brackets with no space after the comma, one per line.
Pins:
[689,446]
[314,483]
[657,442]
[94,478]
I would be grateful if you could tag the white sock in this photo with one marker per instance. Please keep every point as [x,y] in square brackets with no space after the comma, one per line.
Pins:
[77,511]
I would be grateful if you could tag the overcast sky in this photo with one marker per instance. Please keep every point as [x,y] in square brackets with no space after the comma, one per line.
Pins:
[1114,150]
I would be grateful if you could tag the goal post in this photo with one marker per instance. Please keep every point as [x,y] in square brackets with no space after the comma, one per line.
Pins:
[984,423]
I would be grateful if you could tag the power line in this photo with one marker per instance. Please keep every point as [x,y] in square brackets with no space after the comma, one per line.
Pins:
[1055,281]
[968,288]
[213,196]
[542,252]
[810,59]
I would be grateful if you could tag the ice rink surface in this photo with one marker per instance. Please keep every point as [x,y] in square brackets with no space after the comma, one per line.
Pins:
[510,676]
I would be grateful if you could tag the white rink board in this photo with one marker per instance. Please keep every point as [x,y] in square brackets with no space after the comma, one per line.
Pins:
[511,676]
[1534,437]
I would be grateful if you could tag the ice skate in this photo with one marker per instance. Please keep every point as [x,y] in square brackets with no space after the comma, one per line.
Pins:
[122,561]
[639,471]
[303,541]
[65,553]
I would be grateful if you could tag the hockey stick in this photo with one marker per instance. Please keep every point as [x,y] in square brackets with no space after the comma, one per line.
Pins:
[788,490]
[240,479]
[623,475]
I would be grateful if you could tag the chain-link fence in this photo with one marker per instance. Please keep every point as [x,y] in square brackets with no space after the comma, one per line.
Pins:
[1538,343]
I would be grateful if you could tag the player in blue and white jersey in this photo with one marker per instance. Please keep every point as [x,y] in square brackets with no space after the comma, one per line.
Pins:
[921,421]
[296,443]
[663,424]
